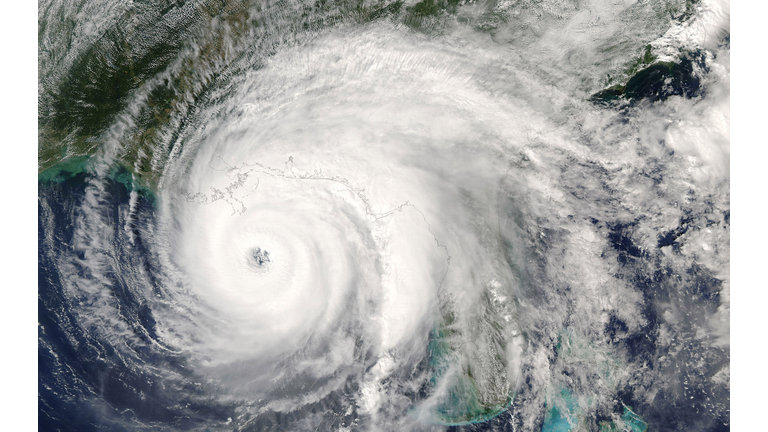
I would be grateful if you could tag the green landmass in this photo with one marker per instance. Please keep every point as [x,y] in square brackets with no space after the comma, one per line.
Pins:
[464,402]
[173,59]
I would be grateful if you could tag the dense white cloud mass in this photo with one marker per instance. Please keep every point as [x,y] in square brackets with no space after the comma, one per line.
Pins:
[381,228]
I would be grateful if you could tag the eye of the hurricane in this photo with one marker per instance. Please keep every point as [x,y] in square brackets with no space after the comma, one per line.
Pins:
[260,259]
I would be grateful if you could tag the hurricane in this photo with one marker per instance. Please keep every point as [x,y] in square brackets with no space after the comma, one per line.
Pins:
[370,215]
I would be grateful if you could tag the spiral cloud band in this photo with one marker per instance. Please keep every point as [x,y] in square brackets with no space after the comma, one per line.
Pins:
[370,227]
[358,223]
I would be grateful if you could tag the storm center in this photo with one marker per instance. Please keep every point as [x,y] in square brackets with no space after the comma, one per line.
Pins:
[260,258]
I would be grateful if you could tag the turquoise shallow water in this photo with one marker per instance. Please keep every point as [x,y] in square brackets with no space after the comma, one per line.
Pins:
[571,417]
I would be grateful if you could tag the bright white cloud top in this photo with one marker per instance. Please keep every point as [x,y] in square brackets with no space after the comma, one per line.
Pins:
[380,226]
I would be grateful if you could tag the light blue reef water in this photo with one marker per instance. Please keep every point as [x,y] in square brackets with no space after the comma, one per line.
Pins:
[378,216]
